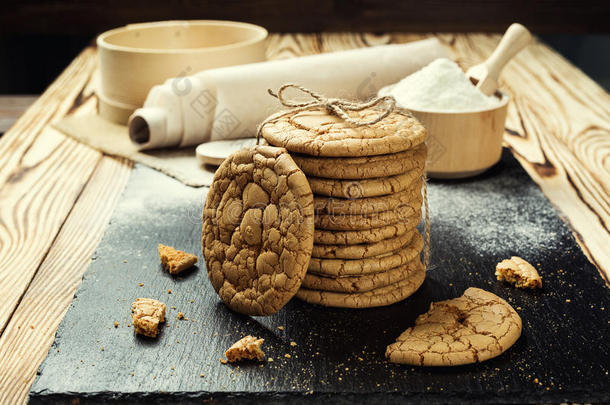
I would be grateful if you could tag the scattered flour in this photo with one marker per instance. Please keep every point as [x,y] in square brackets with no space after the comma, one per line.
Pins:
[440,86]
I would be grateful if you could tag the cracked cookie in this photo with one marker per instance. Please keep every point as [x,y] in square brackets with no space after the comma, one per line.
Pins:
[175,261]
[258,230]
[344,267]
[472,328]
[316,132]
[377,297]
[247,348]
[324,237]
[361,283]
[409,213]
[365,167]
[146,315]
[518,272]
[364,188]
[367,205]
[361,251]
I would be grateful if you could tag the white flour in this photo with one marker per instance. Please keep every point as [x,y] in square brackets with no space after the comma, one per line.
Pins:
[440,86]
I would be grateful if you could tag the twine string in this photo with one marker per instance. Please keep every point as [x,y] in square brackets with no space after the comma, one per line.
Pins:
[340,108]
[335,106]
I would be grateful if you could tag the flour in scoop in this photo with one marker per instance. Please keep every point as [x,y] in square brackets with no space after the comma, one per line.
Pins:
[440,86]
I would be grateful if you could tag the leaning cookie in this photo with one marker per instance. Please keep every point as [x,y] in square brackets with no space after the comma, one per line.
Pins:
[258,230]
[472,328]
[377,297]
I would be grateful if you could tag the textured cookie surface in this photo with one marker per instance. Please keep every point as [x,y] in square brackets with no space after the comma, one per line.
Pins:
[472,328]
[324,237]
[364,167]
[408,213]
[347,267]
[363,250]
[364,188]
[258,230]
[518,272]
[366,205]
[316,132]
[361,283]
[377,297]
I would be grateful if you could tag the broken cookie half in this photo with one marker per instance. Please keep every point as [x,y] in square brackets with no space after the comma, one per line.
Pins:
[472,328]
[518,272]
[247,348]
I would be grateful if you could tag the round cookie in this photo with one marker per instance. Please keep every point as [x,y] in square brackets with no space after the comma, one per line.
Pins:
[365,282]
[343,268]
[365,167]
[324,237]
[472,328]
[316,132]
[377,297]
[364,188]
[367,205]
[361,251]
[258,230]
[407,213]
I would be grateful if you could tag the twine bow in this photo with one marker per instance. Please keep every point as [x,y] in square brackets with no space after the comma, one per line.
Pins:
[336,106]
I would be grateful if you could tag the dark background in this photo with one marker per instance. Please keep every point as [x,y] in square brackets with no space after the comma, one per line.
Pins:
[39,38]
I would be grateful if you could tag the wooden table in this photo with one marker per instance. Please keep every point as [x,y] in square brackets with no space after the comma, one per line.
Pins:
[57,195]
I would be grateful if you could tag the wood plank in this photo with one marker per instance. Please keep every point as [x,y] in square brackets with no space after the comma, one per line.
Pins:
[42,172]
[31,330]
[559,129]
[11,107]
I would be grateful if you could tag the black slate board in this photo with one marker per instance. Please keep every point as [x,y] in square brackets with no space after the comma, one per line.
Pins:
[339,354]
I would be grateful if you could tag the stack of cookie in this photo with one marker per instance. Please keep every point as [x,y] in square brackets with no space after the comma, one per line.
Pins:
[367,186]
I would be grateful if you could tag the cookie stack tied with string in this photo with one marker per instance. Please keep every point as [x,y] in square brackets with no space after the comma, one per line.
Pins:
[365,163]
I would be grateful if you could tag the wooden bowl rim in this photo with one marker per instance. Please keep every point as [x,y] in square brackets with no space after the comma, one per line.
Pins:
[259,34]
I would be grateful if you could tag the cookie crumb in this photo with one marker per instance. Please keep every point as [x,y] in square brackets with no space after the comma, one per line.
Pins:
[287,356]
[519,273]
[169,291]
[223,361]
[180,315]
[270,359]
[147,314]
[247,348]
[116,324]
[140,284]
[293,344]
[175,261]
[102,348]
[280,328]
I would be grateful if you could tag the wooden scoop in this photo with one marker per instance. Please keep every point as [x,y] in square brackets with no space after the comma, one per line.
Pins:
[485,75]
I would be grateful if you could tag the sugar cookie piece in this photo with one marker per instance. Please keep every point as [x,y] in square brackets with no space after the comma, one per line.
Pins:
[472,328]
[247,348]
[146,316]
[174,260]
[518,272]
